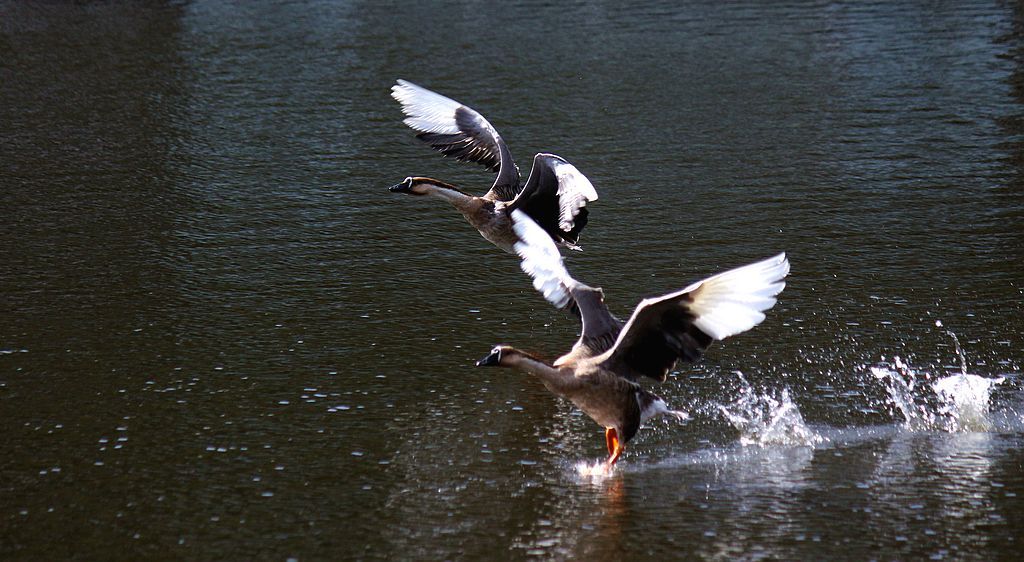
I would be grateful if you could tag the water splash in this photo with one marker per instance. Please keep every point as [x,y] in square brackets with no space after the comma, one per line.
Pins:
[952,403]
[956,345]
[901,383]
[964,401]
[594,470]
[763,419]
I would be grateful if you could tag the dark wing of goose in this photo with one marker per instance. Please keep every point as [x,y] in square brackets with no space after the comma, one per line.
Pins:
[681,325]
[458,131]
[543,263]
[555,197]
[658,333]
[600,327]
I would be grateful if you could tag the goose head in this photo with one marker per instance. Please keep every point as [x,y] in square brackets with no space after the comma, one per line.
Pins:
[508,356]
[495,357]
[416,185]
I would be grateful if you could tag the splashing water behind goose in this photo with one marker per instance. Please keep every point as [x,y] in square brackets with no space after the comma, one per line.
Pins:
[964,402]
[765,420]
[954,403]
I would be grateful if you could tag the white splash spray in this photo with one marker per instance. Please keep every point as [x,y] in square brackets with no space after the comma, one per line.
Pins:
[955,403]
[594,470]
[765,420]
[901,383]
[964,401]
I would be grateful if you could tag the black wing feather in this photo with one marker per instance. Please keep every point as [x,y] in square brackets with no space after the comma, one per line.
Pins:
[681,325]
[458,131]
[542,198]
[665,334]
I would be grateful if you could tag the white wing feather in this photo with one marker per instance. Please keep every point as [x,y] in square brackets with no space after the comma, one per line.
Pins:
[541,259]
[734,301]
[429,112]
[574,190]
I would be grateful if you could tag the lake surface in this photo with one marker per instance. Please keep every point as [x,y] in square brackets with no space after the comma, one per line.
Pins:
[223,338]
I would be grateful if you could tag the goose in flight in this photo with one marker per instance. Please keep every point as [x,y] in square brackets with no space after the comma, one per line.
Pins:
[601,373]
[555,194]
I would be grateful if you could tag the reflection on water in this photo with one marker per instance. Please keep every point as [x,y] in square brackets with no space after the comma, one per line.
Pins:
[223,338]
[919,473]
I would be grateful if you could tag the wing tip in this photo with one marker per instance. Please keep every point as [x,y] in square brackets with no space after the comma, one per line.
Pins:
[402,89]
[740,297]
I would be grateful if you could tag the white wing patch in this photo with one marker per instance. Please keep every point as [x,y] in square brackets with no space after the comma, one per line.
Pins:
[541,259]
[734,301]
[574,190]
[429,112]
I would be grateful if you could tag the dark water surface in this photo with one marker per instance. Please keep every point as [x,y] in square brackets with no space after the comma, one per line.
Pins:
[223,338]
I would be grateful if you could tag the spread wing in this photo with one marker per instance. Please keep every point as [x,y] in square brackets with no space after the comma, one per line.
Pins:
[555,196]
[543,263]
[683,324]
[458,131]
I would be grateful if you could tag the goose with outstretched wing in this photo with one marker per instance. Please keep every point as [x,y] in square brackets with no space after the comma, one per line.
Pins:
[601,374]
[555,194]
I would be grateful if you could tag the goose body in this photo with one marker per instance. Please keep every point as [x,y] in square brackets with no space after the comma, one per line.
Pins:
[601,373]
[554,196]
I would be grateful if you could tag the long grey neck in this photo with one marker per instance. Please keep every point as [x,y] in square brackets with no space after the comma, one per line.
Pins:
[536,367]
[451,195]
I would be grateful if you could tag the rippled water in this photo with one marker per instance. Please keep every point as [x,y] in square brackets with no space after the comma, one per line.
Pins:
[223,338]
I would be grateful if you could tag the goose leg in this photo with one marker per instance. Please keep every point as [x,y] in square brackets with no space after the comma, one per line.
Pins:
[615,447]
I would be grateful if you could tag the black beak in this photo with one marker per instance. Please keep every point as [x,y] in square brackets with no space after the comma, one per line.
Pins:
[404,187]
[491,360]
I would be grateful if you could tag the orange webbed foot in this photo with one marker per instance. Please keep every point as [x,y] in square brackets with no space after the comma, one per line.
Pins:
[615,447]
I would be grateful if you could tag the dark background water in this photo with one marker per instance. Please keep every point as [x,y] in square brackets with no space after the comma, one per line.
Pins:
[223,338]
